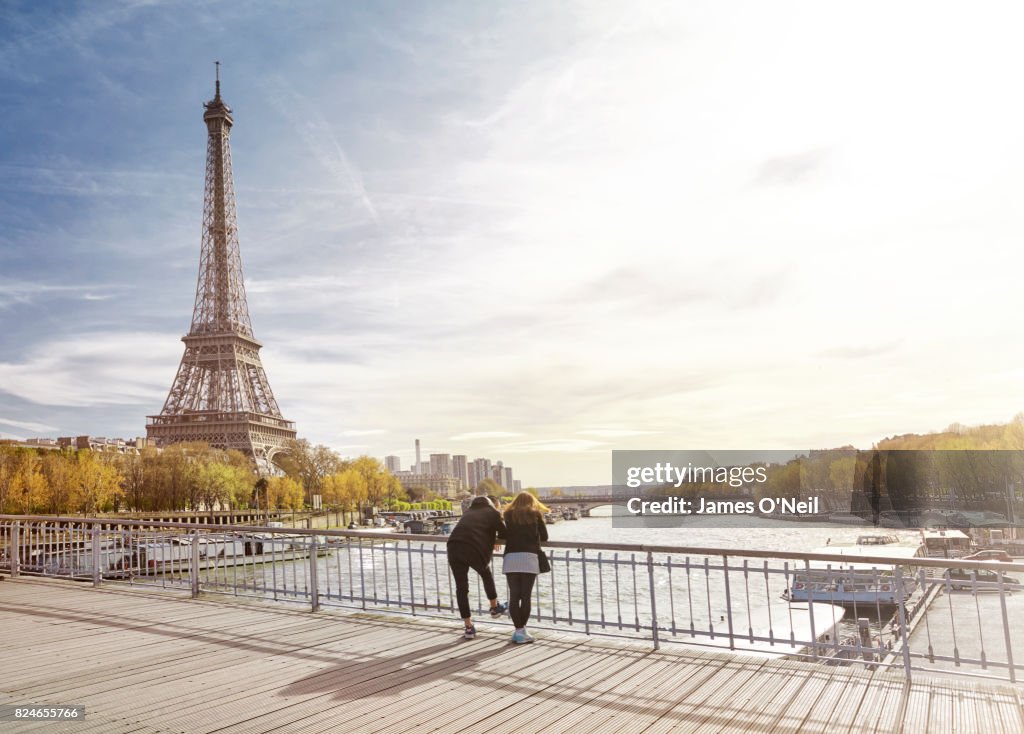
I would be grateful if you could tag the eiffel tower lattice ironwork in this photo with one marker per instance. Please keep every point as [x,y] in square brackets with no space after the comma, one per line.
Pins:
[221,394]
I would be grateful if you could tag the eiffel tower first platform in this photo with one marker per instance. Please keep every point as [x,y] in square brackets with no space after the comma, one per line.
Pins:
[221,394]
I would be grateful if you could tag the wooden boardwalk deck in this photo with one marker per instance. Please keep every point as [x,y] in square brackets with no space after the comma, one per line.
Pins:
[145,661]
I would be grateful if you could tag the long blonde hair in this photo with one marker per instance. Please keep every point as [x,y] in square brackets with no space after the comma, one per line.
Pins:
[525,509]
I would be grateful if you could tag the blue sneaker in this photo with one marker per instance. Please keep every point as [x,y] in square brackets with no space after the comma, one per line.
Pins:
[520,637]
[470,633]
[498,610]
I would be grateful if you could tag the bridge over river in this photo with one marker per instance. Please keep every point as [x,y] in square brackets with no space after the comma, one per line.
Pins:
[337,631]
[148,661]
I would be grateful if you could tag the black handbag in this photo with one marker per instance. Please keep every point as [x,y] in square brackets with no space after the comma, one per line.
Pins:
[542,562]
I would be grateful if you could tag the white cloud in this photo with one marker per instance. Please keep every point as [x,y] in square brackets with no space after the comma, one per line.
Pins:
[26,292]
[103,368]
[478,435]
[28,425]
[614,432]
[554,445]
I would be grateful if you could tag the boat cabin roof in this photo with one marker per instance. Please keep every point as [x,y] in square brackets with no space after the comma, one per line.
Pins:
[931,534]
[910,549]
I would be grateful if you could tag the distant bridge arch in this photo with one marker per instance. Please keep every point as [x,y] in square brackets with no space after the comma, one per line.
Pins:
[584,504]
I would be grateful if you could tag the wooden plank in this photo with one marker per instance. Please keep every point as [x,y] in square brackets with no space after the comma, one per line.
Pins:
[627,706]
[886,715]
[766,707]
[823,706]
[915,712]
[145,661]
[498,681]
[703,705]
[356,677]
[531,697]
[239,694]
[1009,708]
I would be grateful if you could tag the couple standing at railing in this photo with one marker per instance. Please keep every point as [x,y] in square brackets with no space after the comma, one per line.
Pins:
[473,541]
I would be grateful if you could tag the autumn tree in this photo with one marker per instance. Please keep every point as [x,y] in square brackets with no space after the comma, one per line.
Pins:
[96,483]
[284,493]
[309,464]
[345,489]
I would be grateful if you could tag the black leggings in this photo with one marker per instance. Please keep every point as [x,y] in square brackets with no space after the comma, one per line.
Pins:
[520,587]
[460,566]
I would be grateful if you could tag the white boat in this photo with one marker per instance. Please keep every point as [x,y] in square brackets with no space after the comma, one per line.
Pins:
[852,583]
[946,543]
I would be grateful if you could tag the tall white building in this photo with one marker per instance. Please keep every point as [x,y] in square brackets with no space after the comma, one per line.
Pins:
[483,470]
[393,464]
[459,467]
[441,464]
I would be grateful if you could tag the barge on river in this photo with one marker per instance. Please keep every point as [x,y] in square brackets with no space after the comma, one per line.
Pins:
[851,583]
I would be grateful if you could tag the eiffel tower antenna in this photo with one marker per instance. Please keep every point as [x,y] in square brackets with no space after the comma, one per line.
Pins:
[220,394]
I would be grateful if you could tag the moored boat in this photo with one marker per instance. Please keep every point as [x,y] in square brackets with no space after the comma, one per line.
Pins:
[947,543]
[849,582]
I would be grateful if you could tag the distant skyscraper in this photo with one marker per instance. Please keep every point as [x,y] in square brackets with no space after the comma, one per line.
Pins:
[441,464]
[483,469]
[471,477]
[416,466]
[393,464]
[459,466]
[508,483]
[423,467]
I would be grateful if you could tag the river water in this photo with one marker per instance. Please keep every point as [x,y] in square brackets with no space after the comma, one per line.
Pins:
[596,591]
[747,533]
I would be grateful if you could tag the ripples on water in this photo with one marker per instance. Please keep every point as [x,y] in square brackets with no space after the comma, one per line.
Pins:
[747,533]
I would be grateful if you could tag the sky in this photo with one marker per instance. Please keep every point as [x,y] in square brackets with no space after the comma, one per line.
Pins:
[533,232]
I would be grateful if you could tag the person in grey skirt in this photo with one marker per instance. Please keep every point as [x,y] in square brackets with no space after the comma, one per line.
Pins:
[525,530]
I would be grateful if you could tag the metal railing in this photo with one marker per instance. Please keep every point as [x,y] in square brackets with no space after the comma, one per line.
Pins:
[926,614]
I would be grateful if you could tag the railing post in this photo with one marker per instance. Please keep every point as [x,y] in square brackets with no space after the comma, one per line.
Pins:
[654,604]
[194,564]
[15,550]
[586,603]
[1006,631]
[96,575]
[728,602]
[412,585]
[810,607]
[901,617]
[314,580]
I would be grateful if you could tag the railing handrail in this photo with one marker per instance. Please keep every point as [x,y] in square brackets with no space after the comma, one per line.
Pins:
[921,561]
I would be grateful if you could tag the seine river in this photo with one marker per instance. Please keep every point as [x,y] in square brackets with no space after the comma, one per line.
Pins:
[747,533]
[600,591]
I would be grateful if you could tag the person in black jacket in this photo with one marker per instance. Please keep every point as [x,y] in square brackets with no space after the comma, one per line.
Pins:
[470,545]
[524,531]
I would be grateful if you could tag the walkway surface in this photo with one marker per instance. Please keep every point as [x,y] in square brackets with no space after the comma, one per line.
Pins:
[148,661]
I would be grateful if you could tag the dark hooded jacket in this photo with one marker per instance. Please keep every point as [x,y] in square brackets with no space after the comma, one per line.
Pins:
[473,537]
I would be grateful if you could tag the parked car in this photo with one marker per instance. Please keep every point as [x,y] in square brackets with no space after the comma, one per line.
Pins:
[989,555]
[964,578]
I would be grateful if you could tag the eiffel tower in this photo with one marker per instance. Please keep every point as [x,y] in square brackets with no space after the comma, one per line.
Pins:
[221,394]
